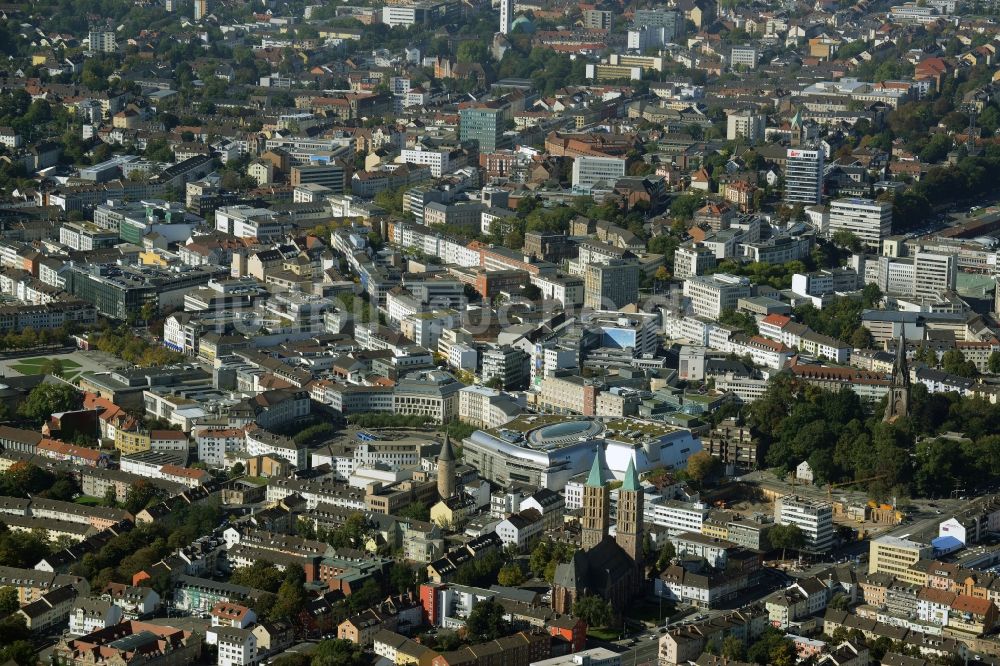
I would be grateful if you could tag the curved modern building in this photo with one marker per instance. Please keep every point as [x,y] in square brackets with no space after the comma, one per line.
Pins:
[545,451]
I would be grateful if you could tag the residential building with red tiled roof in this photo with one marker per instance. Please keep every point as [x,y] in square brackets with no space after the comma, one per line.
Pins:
[81,455]
[226,614]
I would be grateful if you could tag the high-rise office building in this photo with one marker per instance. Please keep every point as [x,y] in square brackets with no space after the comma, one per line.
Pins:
[813,517]
[746,124]
[588,171]
[870,221]
[612,285]
[933,273]
[200,9]
[803,176]
[597,19]
[711,295]
[332,175]
[103,40]
[670,19]
[745,55]
[506,16]
[484,126]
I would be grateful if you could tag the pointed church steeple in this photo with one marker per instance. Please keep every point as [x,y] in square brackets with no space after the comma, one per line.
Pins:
[900,363]
[898,400]
[447,453]
[628,532]
[595,480]
[797,129]
[631,481]
[797,119]
[446,470]
[596,506]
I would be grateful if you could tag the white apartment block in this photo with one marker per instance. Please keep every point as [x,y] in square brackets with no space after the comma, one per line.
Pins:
[709,295]
[90,615]
[520,531]
[933,273]
[214,443]
[263,443]
[745,55]
[485,407]
[435,160]
[692,259]
[676,516]
[803,176]
[870,221]
[745,124]
[567,290]
[462,356]
[588,171]
[10,138]
[814,518]
[425,328]
[649,37]
[394,15]
[747,390]
[237,647]
[506,16]
[925,274]
[763,352]
[546,360]
[573,495]
[400,304]
[248,222]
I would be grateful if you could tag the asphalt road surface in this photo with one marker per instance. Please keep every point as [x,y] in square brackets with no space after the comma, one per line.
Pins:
[643,653]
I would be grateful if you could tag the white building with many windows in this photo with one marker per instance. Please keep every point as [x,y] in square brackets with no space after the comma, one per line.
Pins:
[237,647]
[588,171]
[933,273]
[746,124]
[90,615]
[260,442]
[436,160]
[678,517]
[484,407]
[869,220]
[814,518]
[710,295]
[803,176]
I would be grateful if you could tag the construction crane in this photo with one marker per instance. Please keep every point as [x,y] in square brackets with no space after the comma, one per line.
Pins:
[829,488]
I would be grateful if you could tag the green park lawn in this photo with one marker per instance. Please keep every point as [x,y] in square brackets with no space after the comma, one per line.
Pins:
[33,366]
[604,634]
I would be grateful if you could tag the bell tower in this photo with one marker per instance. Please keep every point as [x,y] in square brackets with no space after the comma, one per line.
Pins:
[898,404]
[596,506]
[446,470]
[628,533]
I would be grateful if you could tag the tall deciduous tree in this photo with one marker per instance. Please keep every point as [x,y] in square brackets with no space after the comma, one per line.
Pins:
[486,621]
[47,399]
[703,466]
[786,537]
[596,612]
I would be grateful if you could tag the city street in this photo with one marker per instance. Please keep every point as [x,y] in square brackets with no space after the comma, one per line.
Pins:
[644,652]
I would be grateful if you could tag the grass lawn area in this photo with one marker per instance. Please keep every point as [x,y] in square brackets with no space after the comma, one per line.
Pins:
[68,364]
[604,634]
[649,611]
[87,500]
[255,480]
[33,366]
